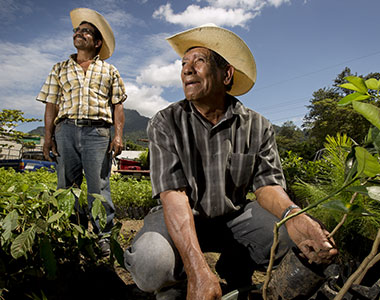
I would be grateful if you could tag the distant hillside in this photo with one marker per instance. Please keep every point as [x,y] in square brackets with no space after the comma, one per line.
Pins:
[134,127]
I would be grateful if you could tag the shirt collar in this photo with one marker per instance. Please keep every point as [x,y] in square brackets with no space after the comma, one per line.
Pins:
[73,58]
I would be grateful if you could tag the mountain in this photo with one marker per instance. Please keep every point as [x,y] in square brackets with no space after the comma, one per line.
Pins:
[134,126]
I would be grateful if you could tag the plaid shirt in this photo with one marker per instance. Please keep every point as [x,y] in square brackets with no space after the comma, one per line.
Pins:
[216,164]
[80,95]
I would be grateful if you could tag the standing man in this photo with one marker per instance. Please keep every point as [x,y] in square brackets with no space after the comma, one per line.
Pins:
[84,97]
[207,151]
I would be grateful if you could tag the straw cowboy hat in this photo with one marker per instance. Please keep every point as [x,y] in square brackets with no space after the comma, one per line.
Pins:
[78,15]
[227,44]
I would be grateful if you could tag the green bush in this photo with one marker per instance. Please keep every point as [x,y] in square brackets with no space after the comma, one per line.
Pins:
[129,193]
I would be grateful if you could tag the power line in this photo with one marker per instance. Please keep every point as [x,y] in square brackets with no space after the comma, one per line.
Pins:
[317,71]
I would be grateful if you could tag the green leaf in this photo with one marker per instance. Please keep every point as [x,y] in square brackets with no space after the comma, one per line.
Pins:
[367,164]
[352,97]
[98,210]
[115,246]
[48,258]
[10,223]
[373,137]
[358,189]
[337,205]
[55,217]
[66,201]
[23,243]
[78,228]
[356,209]
[369,111]
[373,84]
[41,226]
[358,84]
[374,192]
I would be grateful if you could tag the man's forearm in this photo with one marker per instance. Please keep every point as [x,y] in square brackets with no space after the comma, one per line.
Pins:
[119,120]
[180,223]
[51,112]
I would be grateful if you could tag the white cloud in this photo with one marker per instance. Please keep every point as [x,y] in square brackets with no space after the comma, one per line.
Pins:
[195,15]
[146,100]
[164,75]
[220,12]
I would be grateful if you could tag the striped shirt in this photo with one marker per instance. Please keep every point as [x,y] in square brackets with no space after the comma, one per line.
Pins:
[81,95]
[216,164]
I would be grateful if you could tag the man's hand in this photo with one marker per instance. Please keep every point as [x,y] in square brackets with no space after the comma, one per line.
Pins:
[116,146]
[203,286]
[311,239]
[49,145]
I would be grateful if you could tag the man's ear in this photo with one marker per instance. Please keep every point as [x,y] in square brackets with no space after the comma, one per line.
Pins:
[98,44]
[229,74]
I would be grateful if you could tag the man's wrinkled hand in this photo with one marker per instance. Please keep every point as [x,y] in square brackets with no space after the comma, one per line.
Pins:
[204,288]
[312,239]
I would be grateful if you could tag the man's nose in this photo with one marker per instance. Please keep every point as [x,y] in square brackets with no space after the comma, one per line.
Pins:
[188,69]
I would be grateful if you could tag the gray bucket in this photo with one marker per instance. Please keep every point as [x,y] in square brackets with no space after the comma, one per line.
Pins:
[294,278]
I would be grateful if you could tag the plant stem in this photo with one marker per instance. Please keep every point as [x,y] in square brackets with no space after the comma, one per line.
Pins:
[362,268]
[340,224]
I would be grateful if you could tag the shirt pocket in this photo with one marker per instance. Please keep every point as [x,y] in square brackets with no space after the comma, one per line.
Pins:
[100,84]
[240,168]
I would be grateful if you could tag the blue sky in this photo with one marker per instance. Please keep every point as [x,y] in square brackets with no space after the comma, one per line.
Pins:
[299,47]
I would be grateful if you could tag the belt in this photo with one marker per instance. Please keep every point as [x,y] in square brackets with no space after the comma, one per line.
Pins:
[86,122]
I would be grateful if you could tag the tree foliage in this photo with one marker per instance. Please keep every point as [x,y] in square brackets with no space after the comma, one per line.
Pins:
[325,117]
[9,120]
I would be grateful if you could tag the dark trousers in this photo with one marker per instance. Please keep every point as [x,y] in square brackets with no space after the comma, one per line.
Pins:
[243,239]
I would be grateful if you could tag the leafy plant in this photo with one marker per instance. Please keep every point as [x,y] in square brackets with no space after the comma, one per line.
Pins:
[362,169]
[38,231]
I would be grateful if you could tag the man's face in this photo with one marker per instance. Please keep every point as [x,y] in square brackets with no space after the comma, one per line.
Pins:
[84,38]
[201,79]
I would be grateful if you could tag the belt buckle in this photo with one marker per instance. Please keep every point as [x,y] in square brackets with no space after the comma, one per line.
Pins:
[77,124]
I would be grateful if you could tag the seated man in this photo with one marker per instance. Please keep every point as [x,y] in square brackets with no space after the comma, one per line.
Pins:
[207,151]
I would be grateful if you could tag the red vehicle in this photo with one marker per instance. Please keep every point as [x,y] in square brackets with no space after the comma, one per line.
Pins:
[128,164]
[131,167]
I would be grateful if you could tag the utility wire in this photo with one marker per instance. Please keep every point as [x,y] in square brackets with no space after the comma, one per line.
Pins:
[317,71]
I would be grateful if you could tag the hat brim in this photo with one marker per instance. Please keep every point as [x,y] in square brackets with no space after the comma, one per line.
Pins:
[227,44]
[79,15]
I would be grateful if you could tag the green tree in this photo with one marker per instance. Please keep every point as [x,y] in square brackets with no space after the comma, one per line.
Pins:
[325,117]
[9,120]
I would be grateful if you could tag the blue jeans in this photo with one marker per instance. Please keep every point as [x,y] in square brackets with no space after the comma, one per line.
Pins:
[85,149]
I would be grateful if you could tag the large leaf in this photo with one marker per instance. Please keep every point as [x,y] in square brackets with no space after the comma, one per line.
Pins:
[367,164]
[55,217]
[10,223]
[352,97]
[374,192]
[373,84]
[358,189]
[115,246]
[98,210]
[23,243]
[66,201]
[48,258]
[369,111]
[358,84]
[346,208]
[337,205]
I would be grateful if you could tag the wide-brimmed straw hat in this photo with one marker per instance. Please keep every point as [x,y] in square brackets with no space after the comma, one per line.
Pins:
[227,44]
[78,15]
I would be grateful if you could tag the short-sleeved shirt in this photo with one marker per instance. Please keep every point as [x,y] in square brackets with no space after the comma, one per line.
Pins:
[216,164]
[81,95]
